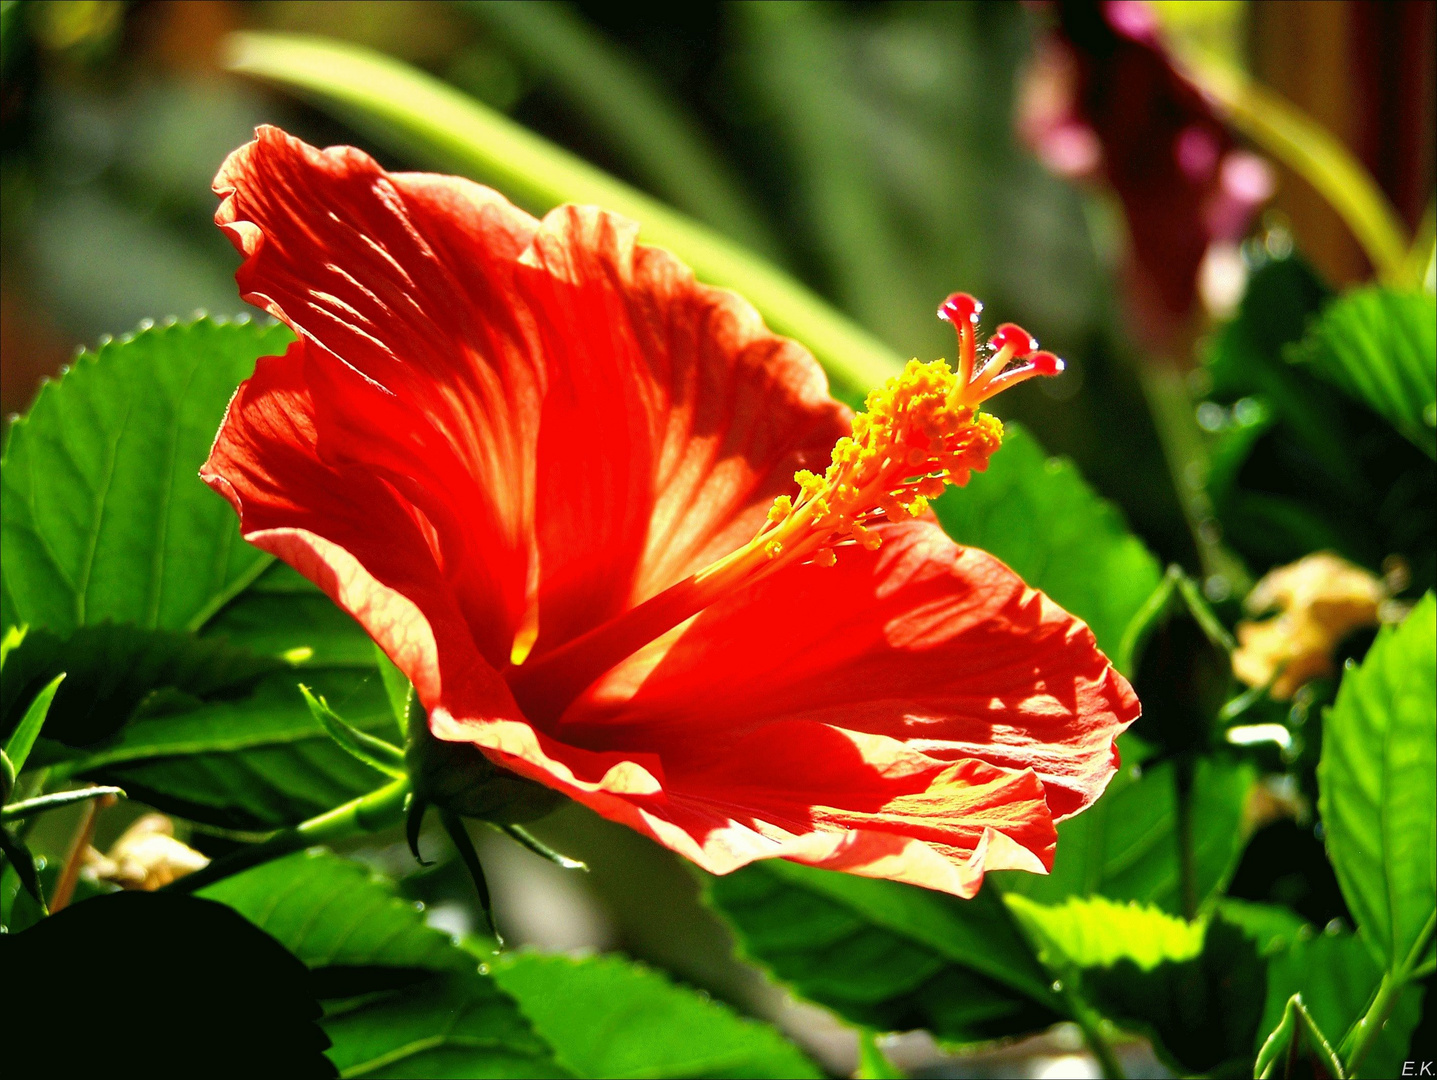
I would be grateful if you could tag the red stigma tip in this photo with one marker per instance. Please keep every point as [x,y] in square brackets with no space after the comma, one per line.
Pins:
[960,308]
[1045,363]
[1009,336]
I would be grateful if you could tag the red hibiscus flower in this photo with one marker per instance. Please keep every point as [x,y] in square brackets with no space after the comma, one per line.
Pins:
[553,476]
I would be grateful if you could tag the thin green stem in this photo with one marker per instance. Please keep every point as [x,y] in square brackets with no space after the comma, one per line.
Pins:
[38,805]
[1187,857]
[1359,1039]
[379,809]
[1187,458]
[1090,1023]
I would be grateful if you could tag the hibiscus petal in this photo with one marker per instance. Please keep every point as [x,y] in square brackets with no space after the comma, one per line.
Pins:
[938,647]
[347,530]
[672,418]
[403,286]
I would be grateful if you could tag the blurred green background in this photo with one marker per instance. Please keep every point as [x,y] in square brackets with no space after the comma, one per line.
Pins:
[866,147]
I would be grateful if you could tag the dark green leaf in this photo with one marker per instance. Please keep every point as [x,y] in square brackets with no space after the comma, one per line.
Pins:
[112,670]
[1297,465]
[412,1003]
[261,762]
[608,1017]
[104,515]
[1338,978]
[889,956]
[228,994]
[1380,346]
[1203,1012]
[1125,845]
[1040,517]
[285,615]
[1378,790]
[1297,1048]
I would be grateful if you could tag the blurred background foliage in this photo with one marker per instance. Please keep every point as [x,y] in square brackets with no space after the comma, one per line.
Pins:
[867,148]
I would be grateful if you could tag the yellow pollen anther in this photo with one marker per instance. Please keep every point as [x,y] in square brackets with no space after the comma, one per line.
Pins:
[919,432]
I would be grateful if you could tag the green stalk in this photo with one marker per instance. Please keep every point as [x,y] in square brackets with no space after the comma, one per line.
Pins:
[1090,1023]
[1315,154]
[369,813]
[1359,1039]
[1187,458]
[420,116]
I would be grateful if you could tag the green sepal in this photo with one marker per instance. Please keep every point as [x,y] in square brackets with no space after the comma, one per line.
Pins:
[20,858]
[413,822]
[397,688]
[1296,1041]
[527,839]
[458,778]
[454,826]
[22,739]
[374,752]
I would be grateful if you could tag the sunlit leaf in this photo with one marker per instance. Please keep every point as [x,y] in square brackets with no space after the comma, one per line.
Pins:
[1337,978]
[608,1017]
[104,515]
[1378,790]
[1093,931]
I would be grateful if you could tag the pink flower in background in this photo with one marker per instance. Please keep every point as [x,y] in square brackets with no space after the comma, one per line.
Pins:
[1103,102]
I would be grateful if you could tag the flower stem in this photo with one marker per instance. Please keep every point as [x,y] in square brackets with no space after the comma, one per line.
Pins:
[1359,1039]
[1090,1024]
[1183,771]
[368,813]
[75,857]
[1182,441]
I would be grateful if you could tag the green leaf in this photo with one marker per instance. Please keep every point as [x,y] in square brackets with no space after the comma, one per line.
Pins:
[1380,346]
[235,1002]
[1337,979]
[411,112]
[1297,1047]
[1377,783]
[1203,1012]
[1195,986]
[261,762]
[1093,931]
[364,922]
[102,513]
[1040,517]
[111,670]
[376,753]
[609,1017]
[873,1063]
[403,999]
[1297,464]
[888,956]
[285,615]
[1124,846]
[17,747]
